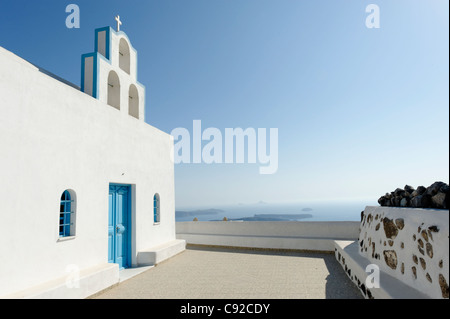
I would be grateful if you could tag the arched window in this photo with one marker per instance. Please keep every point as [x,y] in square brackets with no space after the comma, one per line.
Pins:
[156,209]
[133,102]
[114,90]
[67,214]
[124,55]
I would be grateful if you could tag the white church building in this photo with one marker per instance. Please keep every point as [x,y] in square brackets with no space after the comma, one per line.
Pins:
[86,186]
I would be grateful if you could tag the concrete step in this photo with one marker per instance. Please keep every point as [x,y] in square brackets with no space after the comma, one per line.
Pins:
[76,285]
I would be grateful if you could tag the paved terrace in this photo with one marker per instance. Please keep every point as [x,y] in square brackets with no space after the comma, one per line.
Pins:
[203,272]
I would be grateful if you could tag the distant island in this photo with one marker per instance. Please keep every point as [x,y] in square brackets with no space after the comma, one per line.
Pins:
[274,217]
[182,215]
[200,212]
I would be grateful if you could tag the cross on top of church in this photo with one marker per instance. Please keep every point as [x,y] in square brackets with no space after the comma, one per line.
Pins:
[119,23]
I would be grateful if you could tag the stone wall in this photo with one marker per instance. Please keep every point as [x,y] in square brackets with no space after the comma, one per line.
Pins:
[411,245]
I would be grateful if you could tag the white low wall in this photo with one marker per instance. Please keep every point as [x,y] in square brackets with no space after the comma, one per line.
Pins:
[315,236]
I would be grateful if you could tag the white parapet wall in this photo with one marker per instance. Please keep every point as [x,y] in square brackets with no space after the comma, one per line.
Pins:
[314,236]
[409,246]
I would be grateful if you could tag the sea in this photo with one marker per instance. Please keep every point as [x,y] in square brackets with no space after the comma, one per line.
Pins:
[304,211]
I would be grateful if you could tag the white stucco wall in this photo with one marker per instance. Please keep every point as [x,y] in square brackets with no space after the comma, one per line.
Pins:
[54,138]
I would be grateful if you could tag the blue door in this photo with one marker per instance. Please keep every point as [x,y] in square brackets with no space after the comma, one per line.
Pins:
[119,225]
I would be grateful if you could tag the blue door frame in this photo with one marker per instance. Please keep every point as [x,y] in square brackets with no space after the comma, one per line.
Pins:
[119,225]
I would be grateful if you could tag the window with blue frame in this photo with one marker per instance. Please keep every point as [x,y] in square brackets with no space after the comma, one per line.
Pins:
[65,215]
[156,209]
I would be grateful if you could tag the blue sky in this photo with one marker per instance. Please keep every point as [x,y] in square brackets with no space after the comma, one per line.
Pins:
[359,111]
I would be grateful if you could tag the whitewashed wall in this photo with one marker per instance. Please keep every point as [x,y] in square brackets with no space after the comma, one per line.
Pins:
[53,138]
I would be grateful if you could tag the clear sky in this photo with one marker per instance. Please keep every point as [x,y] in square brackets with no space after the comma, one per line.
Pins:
[359,111]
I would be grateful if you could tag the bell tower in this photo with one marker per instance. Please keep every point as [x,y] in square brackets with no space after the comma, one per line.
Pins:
[109,74]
